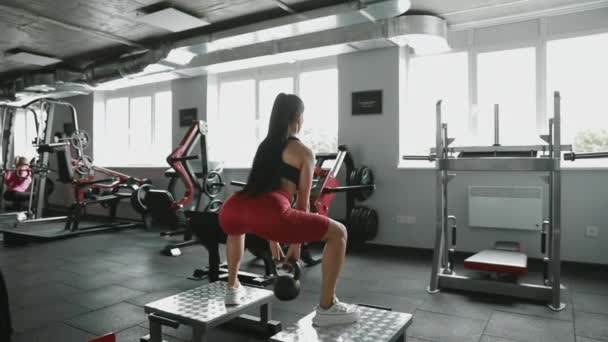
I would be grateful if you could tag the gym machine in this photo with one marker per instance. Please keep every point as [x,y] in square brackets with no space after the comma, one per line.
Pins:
[325,186]
[41,186]
[79,173]
[162,206]
[211,188]
[505,257]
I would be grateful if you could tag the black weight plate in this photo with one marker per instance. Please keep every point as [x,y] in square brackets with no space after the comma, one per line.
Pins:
[365,176]
[356,226]
[351,178]
[214,206]
[138,197]
[372,225]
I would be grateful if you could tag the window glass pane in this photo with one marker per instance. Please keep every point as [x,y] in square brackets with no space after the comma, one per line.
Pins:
[268,91]
[140,130]
[24,133]
[418,125]
[234,135]
[163,112]
[319,91]
[507,78]
[117,125]
[578,69]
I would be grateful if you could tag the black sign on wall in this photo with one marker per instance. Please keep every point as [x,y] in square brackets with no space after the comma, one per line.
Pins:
[367,102]
[187,116]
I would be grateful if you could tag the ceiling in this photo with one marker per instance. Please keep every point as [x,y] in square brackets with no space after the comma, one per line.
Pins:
[79,31]
[90,28]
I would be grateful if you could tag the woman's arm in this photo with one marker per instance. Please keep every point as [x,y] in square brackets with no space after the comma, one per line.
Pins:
[305,185]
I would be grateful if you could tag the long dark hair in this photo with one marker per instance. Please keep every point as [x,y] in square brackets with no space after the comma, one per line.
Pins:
[265,175]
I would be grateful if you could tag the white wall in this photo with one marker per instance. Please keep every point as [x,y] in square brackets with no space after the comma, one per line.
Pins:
[411,192]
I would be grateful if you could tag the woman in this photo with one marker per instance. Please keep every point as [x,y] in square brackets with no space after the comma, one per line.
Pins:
[282,167]
[17,182]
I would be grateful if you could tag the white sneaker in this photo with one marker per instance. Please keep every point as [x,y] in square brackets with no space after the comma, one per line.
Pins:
[338,313]
[235,296]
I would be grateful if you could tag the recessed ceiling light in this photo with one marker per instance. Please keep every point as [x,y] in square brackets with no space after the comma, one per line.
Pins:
[172,20]
[32,59]
[179,56]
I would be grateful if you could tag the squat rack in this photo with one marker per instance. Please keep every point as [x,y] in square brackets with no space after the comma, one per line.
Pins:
[534,158]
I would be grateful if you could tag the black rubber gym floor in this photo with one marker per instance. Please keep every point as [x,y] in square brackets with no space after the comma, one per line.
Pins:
[73,290]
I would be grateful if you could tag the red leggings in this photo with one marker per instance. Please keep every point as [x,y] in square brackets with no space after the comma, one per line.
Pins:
[271,216]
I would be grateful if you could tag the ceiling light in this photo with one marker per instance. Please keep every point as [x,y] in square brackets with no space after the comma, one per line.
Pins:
[32,59]
[172,20]
[180,56]
[154,68]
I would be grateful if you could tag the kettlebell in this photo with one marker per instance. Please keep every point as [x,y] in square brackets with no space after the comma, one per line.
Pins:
[287,286]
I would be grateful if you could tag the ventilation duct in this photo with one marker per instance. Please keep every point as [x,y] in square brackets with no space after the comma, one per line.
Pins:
[270,37]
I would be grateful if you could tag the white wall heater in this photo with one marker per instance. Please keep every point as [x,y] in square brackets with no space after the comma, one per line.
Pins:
[505,207]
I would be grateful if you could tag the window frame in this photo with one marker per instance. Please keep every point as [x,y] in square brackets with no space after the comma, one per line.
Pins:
[570,166]
[293,70]
[149,90]
[542,104]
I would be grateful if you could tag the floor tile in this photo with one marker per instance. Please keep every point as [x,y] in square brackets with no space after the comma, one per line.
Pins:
[529,328]
[440,327]
[56,332]
[35,317]
[591,325]
[112,318]
[104,296]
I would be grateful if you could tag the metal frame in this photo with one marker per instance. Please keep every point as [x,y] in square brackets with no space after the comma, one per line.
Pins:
[442,274]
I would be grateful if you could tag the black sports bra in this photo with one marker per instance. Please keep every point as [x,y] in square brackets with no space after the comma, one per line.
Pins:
[289,172]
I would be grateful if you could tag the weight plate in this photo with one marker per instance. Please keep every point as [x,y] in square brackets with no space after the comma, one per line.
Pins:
[138,198]
[80,140]
[365,176]
[214,206]
[351,180]
[355,233]
[213,184]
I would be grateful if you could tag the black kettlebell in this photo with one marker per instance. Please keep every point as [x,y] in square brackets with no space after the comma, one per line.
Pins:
[286,286]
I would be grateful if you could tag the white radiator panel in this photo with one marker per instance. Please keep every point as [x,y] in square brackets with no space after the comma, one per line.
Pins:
[505,207]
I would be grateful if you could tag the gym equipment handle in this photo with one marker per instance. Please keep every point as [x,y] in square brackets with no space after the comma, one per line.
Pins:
[237,183]
[452,219]
[428,158]
[543,237]
[571,156]
[178,159]
[349,188]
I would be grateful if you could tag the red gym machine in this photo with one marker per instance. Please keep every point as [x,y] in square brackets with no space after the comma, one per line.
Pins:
[162,207]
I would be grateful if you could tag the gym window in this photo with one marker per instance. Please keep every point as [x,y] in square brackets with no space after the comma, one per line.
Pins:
[577,67]
[506,78]
[24,134]
[244,103]
[132,127]
[432,78]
